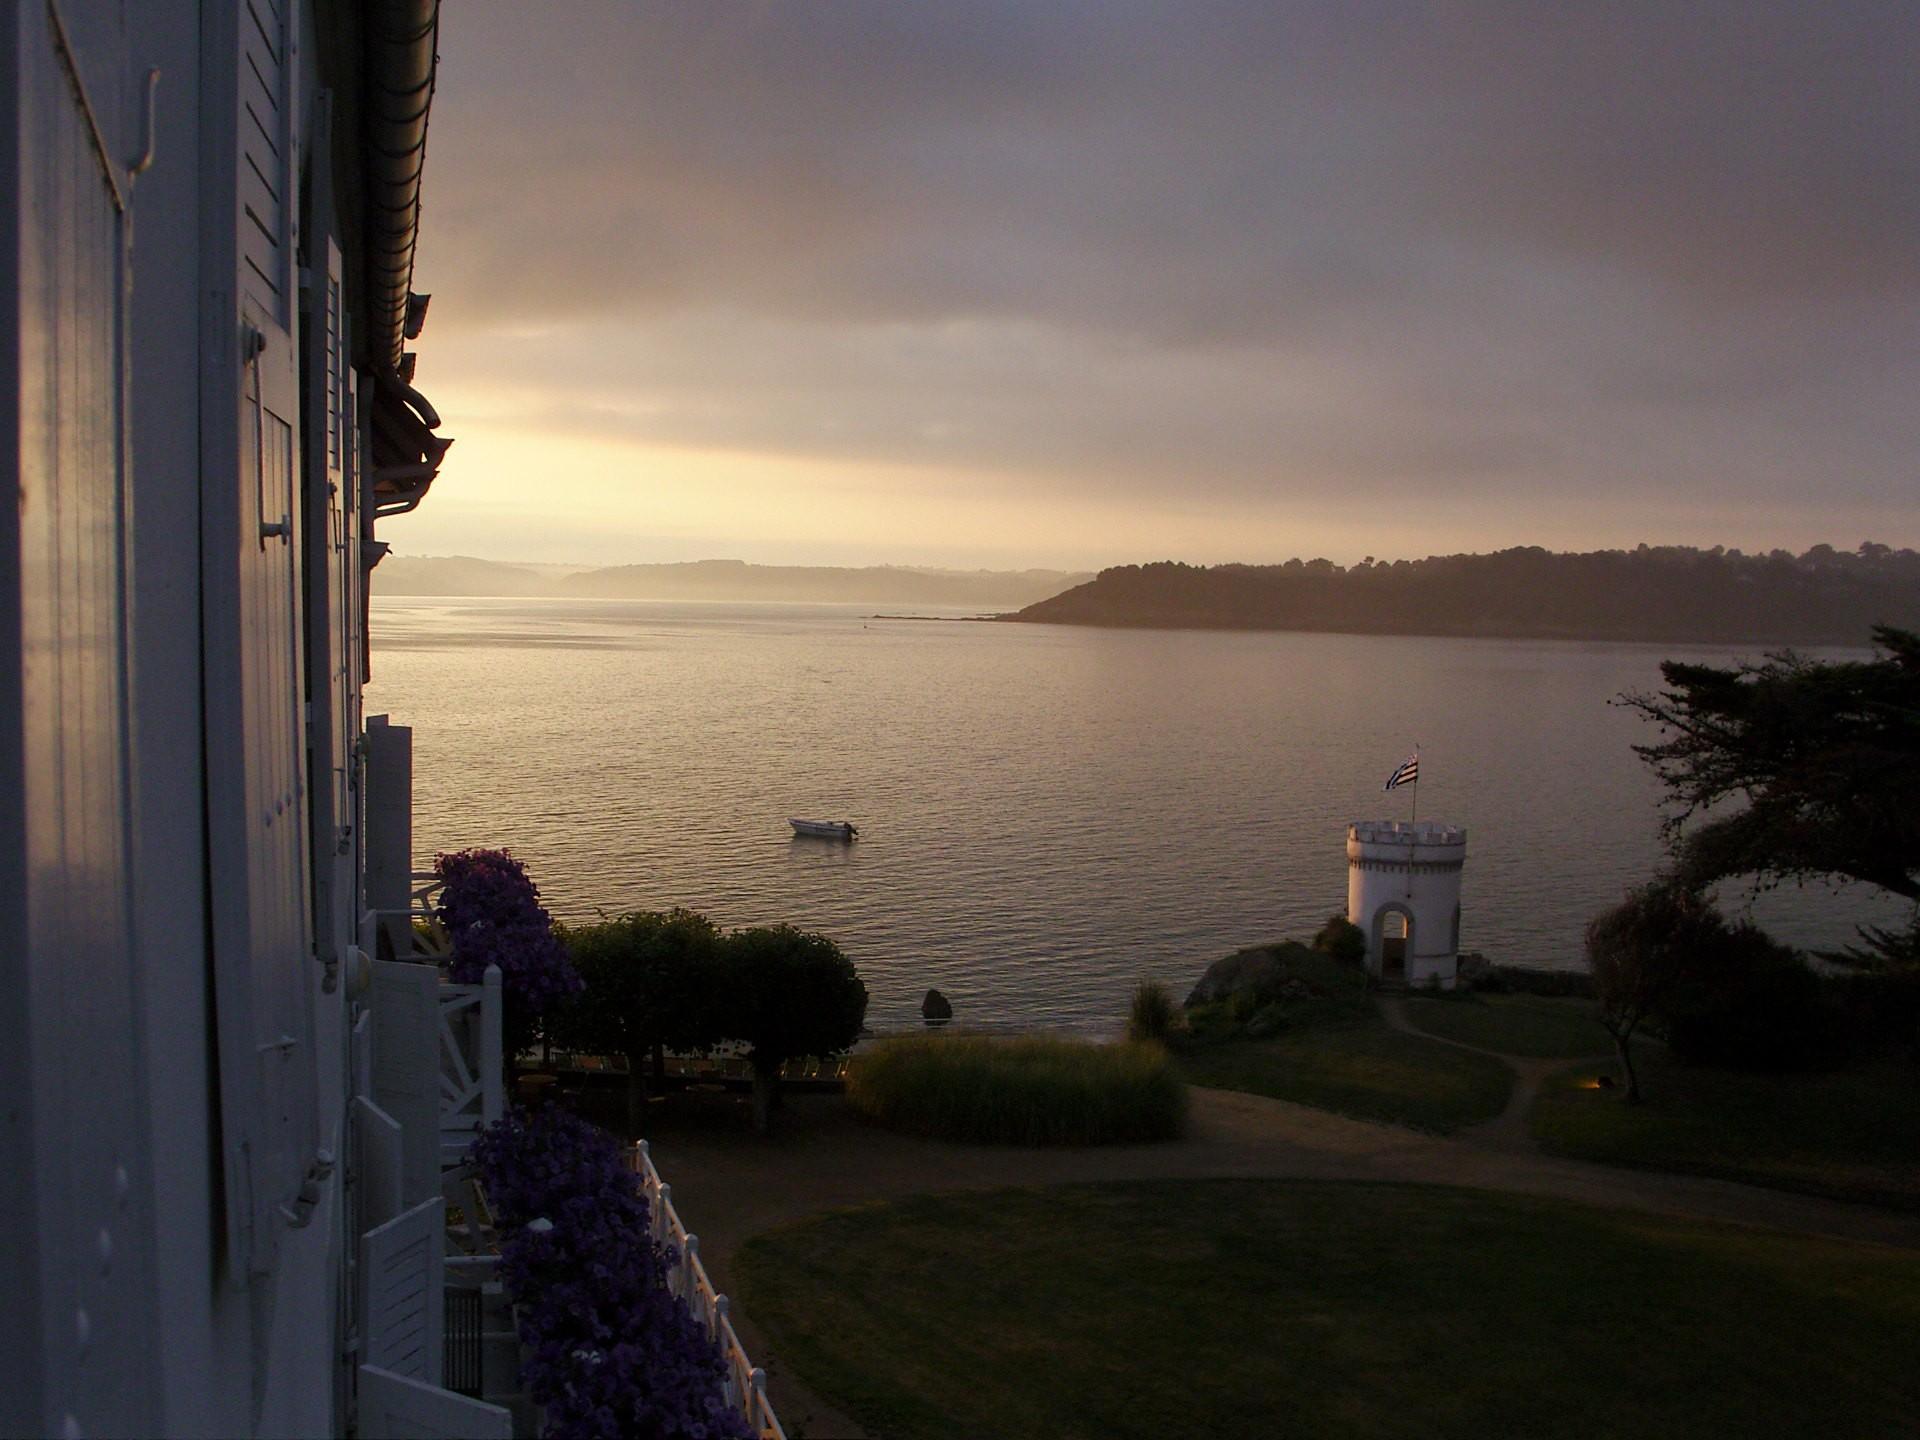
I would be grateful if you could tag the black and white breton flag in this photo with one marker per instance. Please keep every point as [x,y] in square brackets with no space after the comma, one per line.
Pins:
[1408,772]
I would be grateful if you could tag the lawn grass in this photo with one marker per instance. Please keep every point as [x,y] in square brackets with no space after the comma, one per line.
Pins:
[1228,1308]
[1360,1068]
[1334,1051]
[1854,1134]
[1534,1026]
[1028,1090]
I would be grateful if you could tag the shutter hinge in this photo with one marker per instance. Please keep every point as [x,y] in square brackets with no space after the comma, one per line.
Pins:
[299,1211]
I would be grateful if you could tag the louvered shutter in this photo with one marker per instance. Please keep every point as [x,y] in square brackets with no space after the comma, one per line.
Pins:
[329,682]
[402,1292]
[265,977]
[346,561]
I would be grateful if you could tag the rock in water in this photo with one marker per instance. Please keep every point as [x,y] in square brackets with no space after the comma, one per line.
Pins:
[936,1009]
[1244,970]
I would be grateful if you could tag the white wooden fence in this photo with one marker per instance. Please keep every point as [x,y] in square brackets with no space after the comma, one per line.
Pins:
[746,1383]
[472,1093]
[429,940]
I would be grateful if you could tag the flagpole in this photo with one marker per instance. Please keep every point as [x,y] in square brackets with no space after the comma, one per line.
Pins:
[1416,784]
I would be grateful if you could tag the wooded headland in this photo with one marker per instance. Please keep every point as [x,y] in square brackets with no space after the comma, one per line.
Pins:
[1668,594]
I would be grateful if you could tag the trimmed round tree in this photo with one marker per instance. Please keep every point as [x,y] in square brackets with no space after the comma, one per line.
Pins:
[651,984]
[787,993]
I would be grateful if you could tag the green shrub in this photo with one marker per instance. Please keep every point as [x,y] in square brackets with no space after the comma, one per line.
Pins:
[1029,1090]
[1151,1015]
[1880,1011]
[1343,940]
[1751,1003]
[1536,980]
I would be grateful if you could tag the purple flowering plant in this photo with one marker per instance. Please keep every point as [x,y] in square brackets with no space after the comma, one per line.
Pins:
[608,1350]
[493,916]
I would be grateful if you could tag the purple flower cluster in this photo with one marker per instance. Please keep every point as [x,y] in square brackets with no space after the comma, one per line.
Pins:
[609,1352]
[493,915]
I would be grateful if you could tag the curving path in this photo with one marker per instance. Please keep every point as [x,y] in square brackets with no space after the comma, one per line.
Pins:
[1510,1129]
[729,1184]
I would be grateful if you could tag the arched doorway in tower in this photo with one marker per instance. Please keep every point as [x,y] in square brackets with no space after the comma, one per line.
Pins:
[1392,942]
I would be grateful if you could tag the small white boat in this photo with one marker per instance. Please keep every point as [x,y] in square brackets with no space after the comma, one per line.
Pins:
[825,829]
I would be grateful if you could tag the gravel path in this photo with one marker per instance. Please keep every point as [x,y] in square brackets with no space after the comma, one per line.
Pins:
[1509,1130]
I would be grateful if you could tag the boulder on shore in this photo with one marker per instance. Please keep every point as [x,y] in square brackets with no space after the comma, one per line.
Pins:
[1243,970]
[936,1009]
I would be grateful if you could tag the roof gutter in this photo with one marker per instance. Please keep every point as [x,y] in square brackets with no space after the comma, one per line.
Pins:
[402,51]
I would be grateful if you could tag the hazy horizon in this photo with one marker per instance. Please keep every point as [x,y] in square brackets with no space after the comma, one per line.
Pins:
[743,555]
[1002,286]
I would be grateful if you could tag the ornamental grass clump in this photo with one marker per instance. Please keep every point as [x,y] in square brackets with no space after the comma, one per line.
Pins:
[1151,1015]
[607,1349]
[1029,1090]
[493,916]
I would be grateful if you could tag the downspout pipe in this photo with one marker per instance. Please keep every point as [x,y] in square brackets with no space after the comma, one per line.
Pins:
[402,45]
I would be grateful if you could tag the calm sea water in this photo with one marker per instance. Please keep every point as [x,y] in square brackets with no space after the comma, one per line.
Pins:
[1047,813]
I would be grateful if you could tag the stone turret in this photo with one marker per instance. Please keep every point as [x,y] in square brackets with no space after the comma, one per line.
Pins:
[1403,891]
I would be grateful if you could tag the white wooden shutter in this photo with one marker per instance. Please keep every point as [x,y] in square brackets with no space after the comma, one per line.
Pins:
[257,820]
[330,682]
[78,1341]
[406,1067]
[393,1407]
[347,554]
[377,1161]
[402,1292]
[267,141]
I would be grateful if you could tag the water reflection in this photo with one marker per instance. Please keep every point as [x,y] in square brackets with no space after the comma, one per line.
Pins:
[1048,814]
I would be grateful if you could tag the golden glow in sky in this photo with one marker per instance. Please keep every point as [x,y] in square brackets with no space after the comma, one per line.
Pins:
[1017,285]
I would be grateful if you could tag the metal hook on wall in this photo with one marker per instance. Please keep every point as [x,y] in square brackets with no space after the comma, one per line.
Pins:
[139,166]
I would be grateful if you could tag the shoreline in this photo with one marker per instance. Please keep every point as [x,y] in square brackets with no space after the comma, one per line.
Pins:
[947,619]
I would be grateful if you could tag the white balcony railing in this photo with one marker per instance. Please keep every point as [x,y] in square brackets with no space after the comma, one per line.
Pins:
[472,1072]
[429,940]
[746,1383]
[467,1033]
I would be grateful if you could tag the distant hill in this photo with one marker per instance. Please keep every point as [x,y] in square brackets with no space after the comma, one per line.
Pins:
[1669,594]
[456,575]
[725,580]
[876,584]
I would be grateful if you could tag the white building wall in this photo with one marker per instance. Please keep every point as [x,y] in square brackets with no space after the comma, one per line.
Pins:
[1412,870]
[125,1313]
[135,582]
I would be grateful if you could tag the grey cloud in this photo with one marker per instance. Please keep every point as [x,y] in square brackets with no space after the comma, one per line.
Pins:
[916,160]
[1522,244]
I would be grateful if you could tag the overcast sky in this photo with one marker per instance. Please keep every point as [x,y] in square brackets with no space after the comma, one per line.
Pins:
[1077,282]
